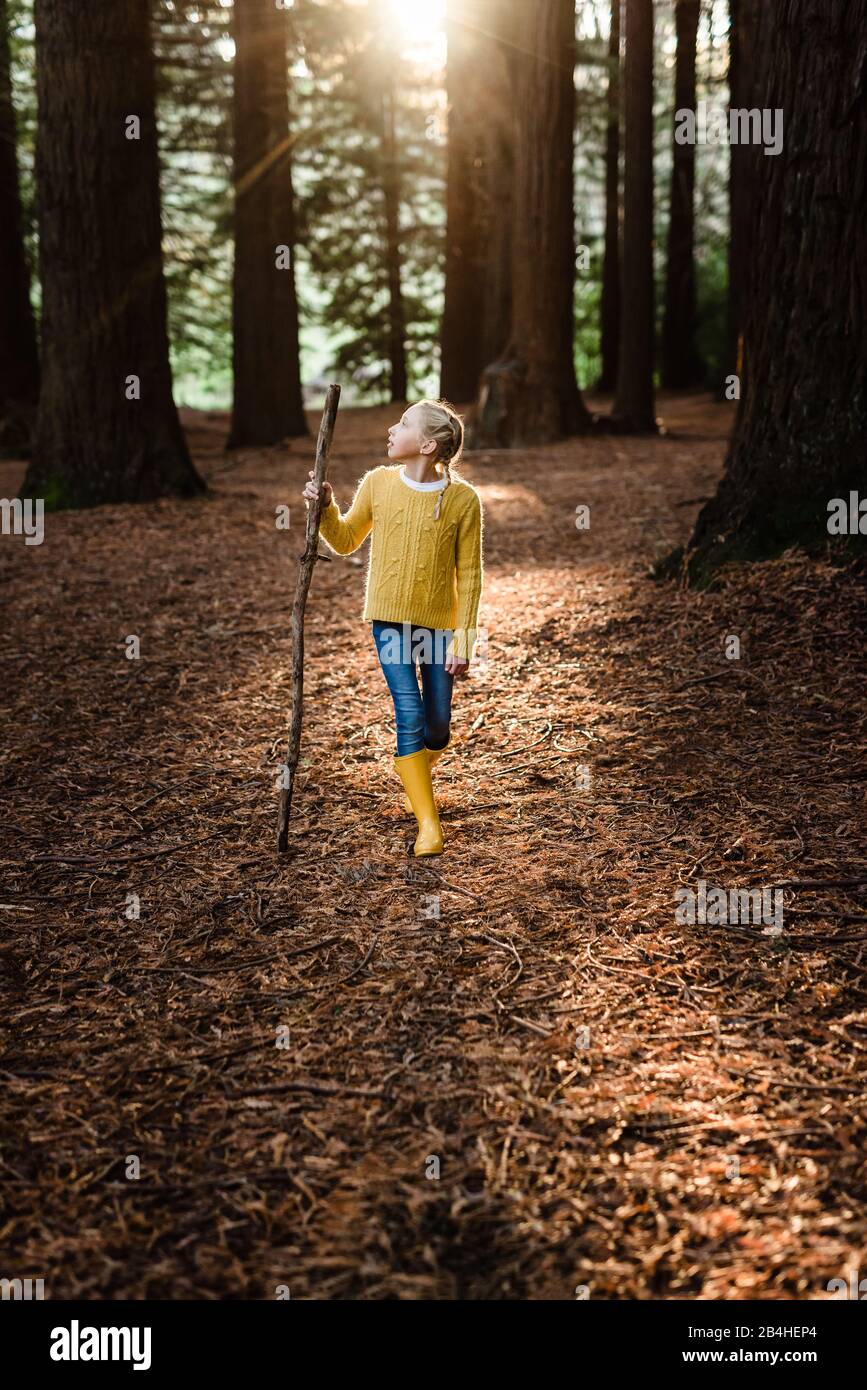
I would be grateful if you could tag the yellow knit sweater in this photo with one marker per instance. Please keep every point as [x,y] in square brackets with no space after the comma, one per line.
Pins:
[422,571]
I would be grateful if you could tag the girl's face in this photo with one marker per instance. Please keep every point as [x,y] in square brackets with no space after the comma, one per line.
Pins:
[404,441]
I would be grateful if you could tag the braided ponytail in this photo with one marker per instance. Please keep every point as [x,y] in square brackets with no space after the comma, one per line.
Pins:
[440,421]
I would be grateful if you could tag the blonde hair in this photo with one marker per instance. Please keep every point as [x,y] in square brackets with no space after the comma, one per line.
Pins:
[439,421]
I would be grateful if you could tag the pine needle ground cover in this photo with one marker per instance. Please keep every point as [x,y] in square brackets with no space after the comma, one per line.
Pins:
[507,1073]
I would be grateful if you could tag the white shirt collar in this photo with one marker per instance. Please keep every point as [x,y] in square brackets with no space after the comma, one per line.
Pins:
[436,486]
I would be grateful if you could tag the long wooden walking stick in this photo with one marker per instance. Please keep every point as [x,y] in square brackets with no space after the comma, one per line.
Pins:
[305,575]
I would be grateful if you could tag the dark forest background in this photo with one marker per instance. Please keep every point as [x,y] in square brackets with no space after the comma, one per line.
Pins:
[478,198]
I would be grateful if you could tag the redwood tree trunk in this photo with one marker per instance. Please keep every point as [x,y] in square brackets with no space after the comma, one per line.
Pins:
[530,394]
[19,365]
[682,366]
[745,171]
[393,258]
[799,437]
[634,409]
[477,304]
[610,312]
[268,404]
[103,292]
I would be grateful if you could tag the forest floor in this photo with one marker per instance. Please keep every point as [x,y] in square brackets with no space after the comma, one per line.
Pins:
[507,1072]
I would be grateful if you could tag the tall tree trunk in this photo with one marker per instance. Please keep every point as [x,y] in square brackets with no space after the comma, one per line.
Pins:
[799,437]
[498,166]
[745,172]
[19,364]
[682,366]
[268,404]
[107,429]
[610,312]
[634,400]
[530,394]
[391,194]
[476,312]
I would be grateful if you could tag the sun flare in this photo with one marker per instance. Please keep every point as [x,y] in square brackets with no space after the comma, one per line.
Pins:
[420,20]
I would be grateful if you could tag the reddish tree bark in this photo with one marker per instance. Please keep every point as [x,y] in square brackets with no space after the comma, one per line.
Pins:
[745,171]
[268,404]
[530,394]
[634,400]
[103,291]
[682,366]
[610,311]
[391,187]
[799,437]
[476,312]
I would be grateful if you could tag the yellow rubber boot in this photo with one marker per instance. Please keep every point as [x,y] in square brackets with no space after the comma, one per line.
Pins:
[433,757]
[414,771]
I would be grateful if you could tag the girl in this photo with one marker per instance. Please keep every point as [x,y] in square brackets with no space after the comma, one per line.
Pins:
[424,583]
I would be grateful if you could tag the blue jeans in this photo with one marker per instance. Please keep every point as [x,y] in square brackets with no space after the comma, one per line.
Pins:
[422,718]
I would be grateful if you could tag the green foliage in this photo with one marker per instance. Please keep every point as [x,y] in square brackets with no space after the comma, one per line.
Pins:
[23,64]
[712,308]
[56,494]
[711,200]
[348,68]
[355,82]
[193,49]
